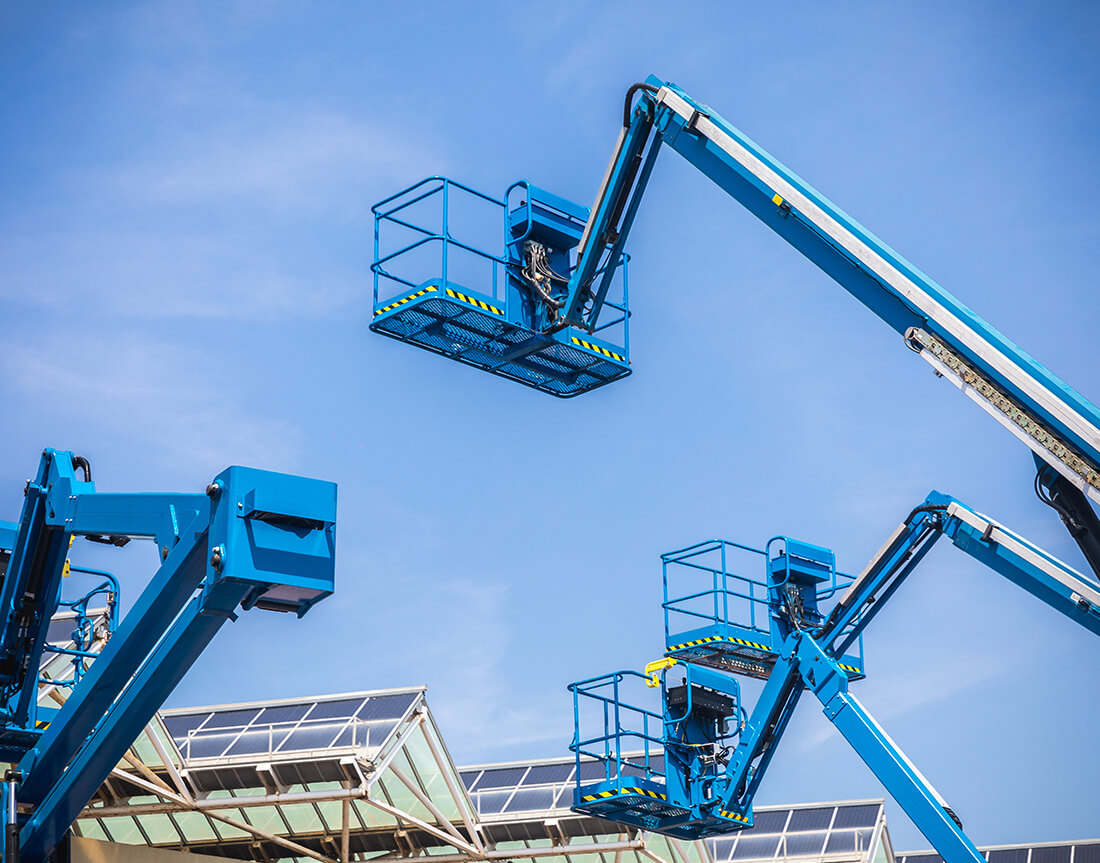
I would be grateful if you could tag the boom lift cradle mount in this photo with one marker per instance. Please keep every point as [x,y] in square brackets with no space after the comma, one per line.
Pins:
[702,759]
[254,539]
[561,297]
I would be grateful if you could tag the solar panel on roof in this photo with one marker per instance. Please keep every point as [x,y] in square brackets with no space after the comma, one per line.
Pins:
[531,799]
[544,774]
[491,802]
[344,708]
[254,742]
[592,771]
[178,726]
[1009,855]
[841,841]
[810,819]
[231,718]
[924,858]
[469,777]
[365,733]
[318,736]
[206,745]
[769,822]
[387,706]
[755,848]
[1054,854]
[856,816]
[284,713]
[803,844]
[1086,853]
[501,777]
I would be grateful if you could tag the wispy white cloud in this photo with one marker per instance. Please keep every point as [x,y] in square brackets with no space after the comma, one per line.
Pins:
[284,157]
[161,399]
[469,634]
[918,684]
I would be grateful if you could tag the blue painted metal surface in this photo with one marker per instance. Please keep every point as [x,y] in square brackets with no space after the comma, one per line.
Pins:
[459,299]
[802,618]
[254,539]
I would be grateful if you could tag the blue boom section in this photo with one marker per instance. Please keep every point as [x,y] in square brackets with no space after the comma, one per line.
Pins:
[1051,418]
[254,539]
[692,767]
[497,311]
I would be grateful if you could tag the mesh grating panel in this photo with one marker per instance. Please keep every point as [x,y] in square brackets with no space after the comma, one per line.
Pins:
[484,339]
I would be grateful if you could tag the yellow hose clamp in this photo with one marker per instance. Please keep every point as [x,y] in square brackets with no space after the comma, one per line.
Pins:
[655,668]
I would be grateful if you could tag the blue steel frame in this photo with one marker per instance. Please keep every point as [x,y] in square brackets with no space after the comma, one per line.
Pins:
[83,623]
[254,539]
[811,659]
[500,330]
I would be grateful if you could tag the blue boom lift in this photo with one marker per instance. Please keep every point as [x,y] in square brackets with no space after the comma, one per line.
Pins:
[255,539]
[692,769]
[544,312]
[551,310]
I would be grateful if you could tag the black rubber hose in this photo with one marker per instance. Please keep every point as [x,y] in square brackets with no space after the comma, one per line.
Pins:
[634,88]
[81,463]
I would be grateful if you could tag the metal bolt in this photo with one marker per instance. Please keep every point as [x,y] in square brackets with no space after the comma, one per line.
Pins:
[213,490]
[216,558]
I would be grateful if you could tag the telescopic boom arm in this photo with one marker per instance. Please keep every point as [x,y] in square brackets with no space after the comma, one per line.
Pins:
[1060,426]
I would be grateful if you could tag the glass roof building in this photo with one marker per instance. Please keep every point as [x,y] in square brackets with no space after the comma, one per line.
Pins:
[367,776]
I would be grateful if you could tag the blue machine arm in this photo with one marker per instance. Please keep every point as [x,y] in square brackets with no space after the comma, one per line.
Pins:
[710,780]
[1060,426]
[254,539]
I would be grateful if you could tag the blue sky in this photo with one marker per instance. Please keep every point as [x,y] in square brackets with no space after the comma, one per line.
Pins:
[184,284]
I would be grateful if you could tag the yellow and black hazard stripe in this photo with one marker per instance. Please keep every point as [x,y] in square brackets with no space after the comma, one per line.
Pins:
[403,300]
[641,792]
[712,638]
[850,668]
[473,301]
[599,350]
[733,816]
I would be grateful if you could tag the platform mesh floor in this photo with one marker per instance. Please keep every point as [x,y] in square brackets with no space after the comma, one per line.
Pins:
[481,338]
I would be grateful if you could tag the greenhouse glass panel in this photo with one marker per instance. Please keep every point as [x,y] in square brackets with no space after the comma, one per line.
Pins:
[332,814]
[194,826]
[372,817]
[124,830]
[91,828]
[266,818]
[228,831]
[301,817]
[159,828]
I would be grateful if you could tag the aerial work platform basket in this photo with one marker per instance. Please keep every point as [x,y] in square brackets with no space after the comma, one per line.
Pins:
[437,285]
[717,616]
[639,755]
